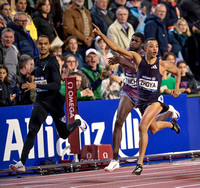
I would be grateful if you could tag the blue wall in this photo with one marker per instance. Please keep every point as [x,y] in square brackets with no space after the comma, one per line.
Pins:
[100,116]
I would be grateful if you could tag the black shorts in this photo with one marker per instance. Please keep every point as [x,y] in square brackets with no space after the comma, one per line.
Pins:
[142,105]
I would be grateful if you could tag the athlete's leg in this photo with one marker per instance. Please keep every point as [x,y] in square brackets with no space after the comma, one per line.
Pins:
[124,108]
[38,116]
[148,117]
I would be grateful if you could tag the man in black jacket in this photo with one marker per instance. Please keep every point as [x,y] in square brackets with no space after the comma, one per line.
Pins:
[49,100]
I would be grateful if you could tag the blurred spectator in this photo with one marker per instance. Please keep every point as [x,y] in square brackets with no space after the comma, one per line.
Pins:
[191,12]
[57,13]
[101,15]
[24,69]
[188,83]
[104,51]
[9,54]
[21,6]
[43,19]
[72,65]
[121,31]
[6,97]
[138,12]
[94,72]
[61,61]
[111,86]
[56,50]
[77,21]
[71,47]
[174,12]
[155,28]
[23,40]
[168,82]
[85,94]
[5,12]
[178,39]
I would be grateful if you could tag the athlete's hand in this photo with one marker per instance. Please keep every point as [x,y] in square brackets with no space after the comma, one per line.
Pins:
[96,30]
[174,93]
[28,86]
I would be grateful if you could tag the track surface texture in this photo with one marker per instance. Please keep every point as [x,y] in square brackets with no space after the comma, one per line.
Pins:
[179,174]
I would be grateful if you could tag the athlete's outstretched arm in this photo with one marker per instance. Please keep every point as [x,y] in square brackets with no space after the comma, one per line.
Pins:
[115,47]
[174,70]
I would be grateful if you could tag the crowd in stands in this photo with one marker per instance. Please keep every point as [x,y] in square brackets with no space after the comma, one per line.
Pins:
[175,24]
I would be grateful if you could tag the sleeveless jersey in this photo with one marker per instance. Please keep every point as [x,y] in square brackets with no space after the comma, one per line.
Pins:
[149,80]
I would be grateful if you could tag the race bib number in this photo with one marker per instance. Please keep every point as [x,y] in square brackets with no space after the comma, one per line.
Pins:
[41,81]
[147,84]
[131,81]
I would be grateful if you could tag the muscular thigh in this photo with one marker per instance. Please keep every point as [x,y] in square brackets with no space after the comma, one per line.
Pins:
[150,114]
[124,108]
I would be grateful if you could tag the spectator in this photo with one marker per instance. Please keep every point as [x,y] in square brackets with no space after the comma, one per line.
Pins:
[168,81]
[5,12]
[111,86]
[43,19]
[25,68]
[188,83]
[94,72]
[77,21]
[72,65]
[191,12]
[56,50]
[155,28]
[121,31]
[23,40]
[139,12]
[101,15]
[104,51]
[82,95]
[174,12]
[61,62]
[6,96]
[178,39]
[9,54]
[71,47]
[21,6]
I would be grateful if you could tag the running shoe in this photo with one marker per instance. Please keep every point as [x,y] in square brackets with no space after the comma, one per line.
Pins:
[114,164]
[175,127]
[175,113]
[18,167]
[83,125]
[137,170]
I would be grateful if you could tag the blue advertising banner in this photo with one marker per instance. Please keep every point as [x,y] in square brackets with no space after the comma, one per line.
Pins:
[100,115]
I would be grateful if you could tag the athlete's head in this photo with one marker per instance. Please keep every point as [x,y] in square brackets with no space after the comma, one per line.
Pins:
[137,42]
[151,47]
[43,45]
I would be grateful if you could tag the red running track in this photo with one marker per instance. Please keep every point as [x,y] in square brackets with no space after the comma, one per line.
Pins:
[184,174]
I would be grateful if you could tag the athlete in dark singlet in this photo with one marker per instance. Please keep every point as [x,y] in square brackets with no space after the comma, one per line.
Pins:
[49,100]
[128,95]
[148,84]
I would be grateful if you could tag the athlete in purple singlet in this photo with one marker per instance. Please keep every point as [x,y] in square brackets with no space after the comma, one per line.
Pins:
[128,95]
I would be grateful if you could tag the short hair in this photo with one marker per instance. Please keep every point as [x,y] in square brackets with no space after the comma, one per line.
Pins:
[140,35]
[16,17]
[55,48]
[120,8]
[40,3]
[43,36]
[23,60]
[149,39]
[179,62]
[7,30]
